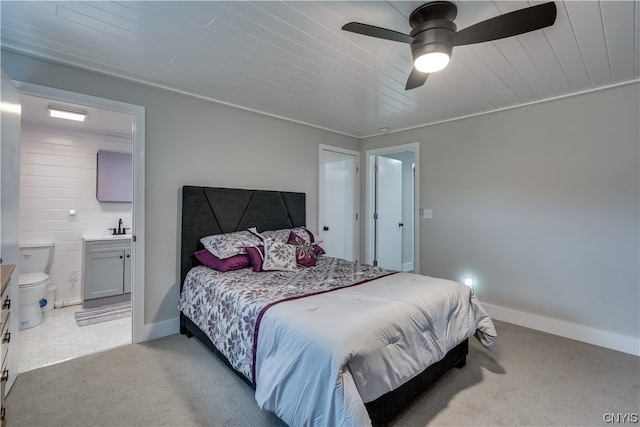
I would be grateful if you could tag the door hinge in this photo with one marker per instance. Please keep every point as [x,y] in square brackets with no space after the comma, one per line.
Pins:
[375,215]
[356,217]
[133,238]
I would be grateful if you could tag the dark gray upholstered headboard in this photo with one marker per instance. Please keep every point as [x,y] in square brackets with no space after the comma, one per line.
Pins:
[213,210]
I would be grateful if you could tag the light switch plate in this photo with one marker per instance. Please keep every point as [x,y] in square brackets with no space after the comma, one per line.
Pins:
[427,213]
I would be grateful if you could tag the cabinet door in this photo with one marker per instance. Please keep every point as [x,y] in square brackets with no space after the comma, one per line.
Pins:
[103,275]
[127,271]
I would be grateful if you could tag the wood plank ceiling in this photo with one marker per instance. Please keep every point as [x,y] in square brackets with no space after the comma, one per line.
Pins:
[292,60]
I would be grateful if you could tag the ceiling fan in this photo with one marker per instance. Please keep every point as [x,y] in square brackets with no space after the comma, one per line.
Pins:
[433,34]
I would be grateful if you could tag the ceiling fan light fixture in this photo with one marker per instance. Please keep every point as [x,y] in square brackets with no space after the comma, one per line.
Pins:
[434,34]
[431,62]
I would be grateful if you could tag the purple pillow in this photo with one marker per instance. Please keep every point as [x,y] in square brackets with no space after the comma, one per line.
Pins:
[256,257]
[301,236]
[235,262]
[306,255]
[306,252]
[296,239]
[318,250]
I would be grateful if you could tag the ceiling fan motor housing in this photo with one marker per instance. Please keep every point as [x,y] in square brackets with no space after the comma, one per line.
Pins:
[433,29]
[433,36]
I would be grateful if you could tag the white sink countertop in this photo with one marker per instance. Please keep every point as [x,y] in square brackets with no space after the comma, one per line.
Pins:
[90,236]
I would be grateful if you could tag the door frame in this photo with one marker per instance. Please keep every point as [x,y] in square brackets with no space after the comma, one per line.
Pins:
[356,232]
[370,199]
[137,211]
[10,118]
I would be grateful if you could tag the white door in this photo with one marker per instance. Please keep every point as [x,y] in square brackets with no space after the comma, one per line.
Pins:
[338,202]
[9,209]
[389,224]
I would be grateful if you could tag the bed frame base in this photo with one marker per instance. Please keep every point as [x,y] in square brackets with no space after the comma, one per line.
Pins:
[190,329]
[387,407]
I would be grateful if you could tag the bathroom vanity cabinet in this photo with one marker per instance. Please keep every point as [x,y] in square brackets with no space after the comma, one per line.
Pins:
[107,270]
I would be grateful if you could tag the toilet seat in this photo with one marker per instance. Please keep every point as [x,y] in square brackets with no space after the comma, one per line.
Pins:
[28,280]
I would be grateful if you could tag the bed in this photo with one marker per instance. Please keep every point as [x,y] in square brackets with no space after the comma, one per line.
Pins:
[286,350]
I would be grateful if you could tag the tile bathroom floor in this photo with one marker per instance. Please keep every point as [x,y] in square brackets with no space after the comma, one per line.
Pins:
[58,338]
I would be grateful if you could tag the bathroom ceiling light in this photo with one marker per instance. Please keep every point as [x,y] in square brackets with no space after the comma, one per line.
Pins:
[60,113]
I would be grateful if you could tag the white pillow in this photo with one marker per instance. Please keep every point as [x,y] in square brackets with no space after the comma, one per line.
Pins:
[229,244]
[277,235]
[279,256]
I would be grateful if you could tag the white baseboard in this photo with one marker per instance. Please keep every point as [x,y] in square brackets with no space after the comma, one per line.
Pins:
[160,329]
[67,302]
[574,331]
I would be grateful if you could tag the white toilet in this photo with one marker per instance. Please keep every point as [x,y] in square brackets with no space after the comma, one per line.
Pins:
[35,263]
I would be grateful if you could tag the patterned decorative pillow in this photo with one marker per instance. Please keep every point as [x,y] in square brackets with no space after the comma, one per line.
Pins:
[303,236]
[298,237]
[277,235]
[235,262]
[279,256]
[306,255]
[229,244]
[286,234]
[306,251]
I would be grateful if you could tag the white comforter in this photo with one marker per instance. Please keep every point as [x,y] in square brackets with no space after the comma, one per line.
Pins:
[320,358]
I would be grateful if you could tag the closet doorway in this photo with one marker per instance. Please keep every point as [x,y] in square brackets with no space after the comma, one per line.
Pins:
[392,196]
[339,202]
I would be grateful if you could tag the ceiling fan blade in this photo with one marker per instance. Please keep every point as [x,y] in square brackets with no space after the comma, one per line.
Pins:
[507,25]
[381,33]
[416,79]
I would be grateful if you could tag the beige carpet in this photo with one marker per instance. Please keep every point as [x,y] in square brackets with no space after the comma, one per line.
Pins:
[533,379]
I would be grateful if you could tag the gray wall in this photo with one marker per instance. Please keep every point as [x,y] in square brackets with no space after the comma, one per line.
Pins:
[540,204]
[193,142]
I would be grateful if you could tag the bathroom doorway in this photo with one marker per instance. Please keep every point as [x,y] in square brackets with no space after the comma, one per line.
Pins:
[62,155]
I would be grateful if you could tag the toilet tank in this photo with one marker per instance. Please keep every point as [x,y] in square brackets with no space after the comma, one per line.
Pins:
[36,258]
